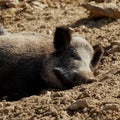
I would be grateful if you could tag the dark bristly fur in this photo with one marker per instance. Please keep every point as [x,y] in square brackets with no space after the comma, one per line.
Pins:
[62,37]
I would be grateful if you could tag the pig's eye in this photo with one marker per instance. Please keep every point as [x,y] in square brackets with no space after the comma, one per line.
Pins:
[76,57]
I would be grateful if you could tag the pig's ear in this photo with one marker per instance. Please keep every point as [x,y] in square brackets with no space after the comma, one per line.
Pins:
[98,53]
[62,37]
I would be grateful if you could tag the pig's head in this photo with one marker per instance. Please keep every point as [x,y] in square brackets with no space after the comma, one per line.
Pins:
[73,61]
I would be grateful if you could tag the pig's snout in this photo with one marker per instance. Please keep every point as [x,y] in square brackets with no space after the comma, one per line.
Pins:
[84,77]
[71,78]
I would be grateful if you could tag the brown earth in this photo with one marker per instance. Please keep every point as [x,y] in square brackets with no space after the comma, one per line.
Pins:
[96,101]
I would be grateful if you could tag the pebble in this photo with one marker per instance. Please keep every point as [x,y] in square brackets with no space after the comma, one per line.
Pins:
[110,106]
[38,5]
[115,43]
[116,48]
[78,104]
[12,3]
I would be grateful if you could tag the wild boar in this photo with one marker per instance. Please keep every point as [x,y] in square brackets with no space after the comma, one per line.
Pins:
[31,62]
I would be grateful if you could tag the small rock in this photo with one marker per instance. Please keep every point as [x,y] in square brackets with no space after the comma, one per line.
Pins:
[106,9]
[1,105]
[49,32]
[107,1]
[98,1]
[78,104]
[2,31]
[116,48]
[115,43]
[38,5]
[115,107]
[12,3]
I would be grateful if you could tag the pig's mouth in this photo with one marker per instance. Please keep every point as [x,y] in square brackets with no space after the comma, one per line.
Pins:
[69,78]
[65,77]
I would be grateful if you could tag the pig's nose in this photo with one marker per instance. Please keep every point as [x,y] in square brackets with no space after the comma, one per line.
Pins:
[89,77]
[92,79]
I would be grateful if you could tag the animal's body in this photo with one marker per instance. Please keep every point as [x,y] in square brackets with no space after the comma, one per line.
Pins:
[31,62]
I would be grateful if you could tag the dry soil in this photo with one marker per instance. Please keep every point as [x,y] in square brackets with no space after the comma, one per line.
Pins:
[96,101]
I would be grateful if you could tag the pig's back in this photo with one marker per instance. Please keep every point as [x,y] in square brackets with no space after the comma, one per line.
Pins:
[25,44]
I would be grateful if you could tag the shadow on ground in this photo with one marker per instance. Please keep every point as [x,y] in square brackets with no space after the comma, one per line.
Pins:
[92,22]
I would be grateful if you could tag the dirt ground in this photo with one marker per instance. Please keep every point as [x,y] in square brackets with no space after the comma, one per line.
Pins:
[96,101]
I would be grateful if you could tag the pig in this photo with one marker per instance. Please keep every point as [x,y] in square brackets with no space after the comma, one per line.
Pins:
[31,62]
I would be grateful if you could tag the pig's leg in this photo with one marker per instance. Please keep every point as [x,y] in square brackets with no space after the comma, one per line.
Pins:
[97,55]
